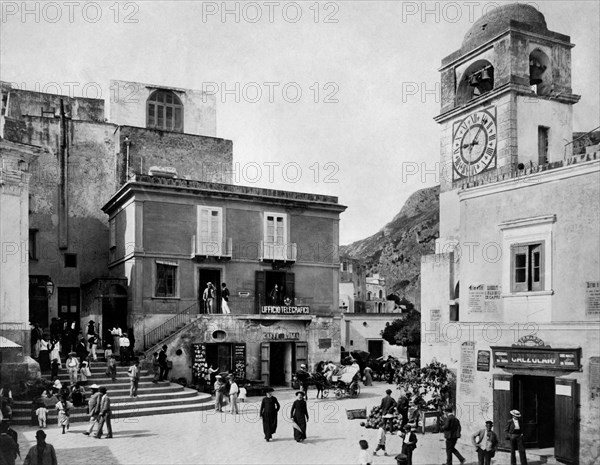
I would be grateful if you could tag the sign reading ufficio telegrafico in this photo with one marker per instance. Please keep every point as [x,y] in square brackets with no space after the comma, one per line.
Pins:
[284,310]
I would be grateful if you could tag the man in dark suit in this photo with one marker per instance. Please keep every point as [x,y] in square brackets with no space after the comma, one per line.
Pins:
[515,436]
[451,429]
[388,404]
[409,443]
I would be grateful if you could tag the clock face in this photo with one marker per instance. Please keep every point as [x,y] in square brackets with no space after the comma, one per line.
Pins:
[474,144]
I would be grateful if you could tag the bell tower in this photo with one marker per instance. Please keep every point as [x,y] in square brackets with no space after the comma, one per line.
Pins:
[506,102]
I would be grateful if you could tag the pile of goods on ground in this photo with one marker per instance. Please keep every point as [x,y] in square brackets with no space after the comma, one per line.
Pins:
[375,420]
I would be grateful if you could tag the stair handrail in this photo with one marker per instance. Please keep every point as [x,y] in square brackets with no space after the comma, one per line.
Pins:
[162,331]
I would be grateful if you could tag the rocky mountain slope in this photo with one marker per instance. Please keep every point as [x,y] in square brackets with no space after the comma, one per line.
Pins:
[395,251]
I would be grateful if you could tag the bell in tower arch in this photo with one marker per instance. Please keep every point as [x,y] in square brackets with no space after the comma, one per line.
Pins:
[535,72]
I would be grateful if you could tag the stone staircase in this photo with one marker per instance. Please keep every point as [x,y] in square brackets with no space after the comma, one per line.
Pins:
[152,399]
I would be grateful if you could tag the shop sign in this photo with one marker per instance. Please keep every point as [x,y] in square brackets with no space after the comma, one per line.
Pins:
[325,343]
[284,310]
[279,336]
[542,358]
[483,360]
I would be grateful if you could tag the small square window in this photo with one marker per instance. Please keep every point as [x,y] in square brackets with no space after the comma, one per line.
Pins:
[70,260]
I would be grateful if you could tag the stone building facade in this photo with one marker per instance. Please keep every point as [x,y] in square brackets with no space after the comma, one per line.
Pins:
[273,249]
[510,300]
[86,158]
[15,176]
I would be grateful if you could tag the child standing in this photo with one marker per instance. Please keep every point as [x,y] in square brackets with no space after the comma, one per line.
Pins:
[380,440]
[93,343]
[364,458]
[112,368]
[243,394]
[42,414]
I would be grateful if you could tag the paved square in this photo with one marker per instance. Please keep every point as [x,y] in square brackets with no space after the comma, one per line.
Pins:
[211,438]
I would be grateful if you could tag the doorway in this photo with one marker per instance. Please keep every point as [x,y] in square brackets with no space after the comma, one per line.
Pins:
[114,311]
[38,300]
[68,306]
[375,348]
[282,363]
[533,396]
[219,356]
[205,276]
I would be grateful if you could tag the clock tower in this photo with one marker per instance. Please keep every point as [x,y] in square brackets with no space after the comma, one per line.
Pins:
[506,103]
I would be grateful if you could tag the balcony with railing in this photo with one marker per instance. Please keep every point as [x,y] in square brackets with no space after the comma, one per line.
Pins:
[278,252]
[207,249]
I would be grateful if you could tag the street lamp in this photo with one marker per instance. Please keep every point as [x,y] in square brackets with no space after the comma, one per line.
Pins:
[49,287]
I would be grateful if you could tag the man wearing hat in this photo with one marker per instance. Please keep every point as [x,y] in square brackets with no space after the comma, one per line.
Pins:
[515,436]
[234,390]
[452,429]
[9,448]
[486,443]
[42,453]
[299,416]
[303,378]
[220,388]
[105,414]
[93,408]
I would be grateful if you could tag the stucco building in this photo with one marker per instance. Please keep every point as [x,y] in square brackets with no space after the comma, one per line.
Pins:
[175,222]
[86,157]
[510,300]
[171,237]
[15,363]
[365,311]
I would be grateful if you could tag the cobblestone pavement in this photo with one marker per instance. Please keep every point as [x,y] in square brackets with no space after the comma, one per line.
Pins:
[221,438]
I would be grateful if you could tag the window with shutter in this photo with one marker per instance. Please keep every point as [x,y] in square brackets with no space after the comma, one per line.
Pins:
[527,267]
[210,230]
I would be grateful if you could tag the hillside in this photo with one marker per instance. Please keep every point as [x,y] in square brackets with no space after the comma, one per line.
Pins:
[395,251]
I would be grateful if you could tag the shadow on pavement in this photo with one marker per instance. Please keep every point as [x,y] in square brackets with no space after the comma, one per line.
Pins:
[94,455]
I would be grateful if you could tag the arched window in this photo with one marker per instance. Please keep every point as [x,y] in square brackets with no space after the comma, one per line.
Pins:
[538,64]
[380,294]
[164,111]
[369,295]
[477,80]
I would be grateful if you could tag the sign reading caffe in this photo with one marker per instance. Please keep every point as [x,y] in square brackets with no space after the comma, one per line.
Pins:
[284,310]
[537,357]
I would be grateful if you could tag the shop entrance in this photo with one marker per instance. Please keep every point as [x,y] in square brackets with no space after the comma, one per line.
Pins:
[219,356]
[533,396]
[282,363]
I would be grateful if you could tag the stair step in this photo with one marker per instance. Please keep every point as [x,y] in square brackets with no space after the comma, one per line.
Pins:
[142,396]
[126,407]
[131,413]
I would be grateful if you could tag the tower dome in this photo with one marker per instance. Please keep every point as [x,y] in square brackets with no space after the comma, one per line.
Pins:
[498,20]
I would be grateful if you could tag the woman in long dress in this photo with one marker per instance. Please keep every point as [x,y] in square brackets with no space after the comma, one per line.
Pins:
[368,376]
[269,408]
[44,354]
[72,367]
[55,351]
[299,416]
[64,407]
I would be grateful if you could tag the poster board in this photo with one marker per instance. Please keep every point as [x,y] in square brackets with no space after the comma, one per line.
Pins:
[239,361]
[199,365]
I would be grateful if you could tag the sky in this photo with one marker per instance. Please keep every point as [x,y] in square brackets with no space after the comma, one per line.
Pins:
[330,97]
